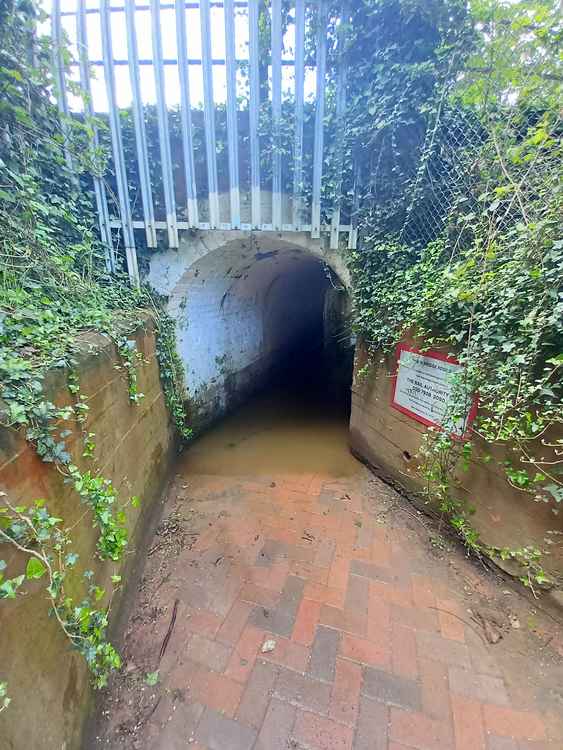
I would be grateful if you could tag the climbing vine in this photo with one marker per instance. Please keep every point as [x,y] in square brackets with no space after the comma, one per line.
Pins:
[479,271]
[47,544]
[54,285]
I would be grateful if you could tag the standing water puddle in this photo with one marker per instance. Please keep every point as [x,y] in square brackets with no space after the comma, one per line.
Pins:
[285,430]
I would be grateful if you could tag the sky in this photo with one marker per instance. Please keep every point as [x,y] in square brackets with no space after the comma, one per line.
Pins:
[168,33]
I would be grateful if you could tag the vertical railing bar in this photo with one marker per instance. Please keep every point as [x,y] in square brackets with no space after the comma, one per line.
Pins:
[186,114]
[319,122]
[299,99]
[353,233]
[340,128]
[163,130]
[99,186]
[232,123]
[163,6]
[118,61]
[209,113]
[139,125]
[60,82]
[117,146]
[254,113]
[276,45]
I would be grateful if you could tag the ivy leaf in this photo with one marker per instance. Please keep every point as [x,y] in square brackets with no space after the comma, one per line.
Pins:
[18,413]
[555,491]
[9,588]
[35,568]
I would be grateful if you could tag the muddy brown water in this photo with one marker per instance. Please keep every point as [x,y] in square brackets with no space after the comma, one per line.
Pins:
[290,429]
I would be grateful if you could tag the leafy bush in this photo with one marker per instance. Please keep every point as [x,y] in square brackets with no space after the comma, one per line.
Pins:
[484,276]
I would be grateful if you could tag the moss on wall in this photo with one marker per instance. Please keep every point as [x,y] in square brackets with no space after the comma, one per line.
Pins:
[49,683]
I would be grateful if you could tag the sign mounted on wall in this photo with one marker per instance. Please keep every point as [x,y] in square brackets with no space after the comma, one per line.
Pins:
[424,389]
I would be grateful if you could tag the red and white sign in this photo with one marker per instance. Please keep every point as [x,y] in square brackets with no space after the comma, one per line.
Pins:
[424,389]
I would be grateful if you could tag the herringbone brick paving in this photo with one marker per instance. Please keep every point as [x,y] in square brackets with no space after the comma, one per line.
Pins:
[307,619]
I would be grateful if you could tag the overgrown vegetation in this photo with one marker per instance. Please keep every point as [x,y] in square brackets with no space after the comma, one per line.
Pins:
[54,285]
[453,133]
[466,253]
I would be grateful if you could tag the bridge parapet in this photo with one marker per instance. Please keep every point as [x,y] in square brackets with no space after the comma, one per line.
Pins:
[240,104]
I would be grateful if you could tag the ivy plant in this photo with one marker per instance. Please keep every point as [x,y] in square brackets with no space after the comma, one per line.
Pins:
[479,271]
[54,285]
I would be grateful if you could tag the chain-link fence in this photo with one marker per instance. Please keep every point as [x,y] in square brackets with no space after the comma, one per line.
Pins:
[447,165]
[510,144]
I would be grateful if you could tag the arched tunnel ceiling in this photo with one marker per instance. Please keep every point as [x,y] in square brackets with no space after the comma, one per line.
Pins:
[250,266]
[216,252]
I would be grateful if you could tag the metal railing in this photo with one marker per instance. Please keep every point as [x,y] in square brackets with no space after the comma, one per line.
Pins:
[300,205]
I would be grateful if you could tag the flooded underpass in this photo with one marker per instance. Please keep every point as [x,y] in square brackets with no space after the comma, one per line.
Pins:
[298,425]
[293,600]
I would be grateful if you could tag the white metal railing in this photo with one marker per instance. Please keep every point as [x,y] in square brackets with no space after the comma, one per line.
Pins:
[98,23]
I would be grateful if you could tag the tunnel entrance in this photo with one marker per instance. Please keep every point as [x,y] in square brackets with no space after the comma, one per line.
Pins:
[252,317]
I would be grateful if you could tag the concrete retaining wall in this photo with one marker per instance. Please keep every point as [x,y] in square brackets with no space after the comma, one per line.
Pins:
[390,440]
[49,683]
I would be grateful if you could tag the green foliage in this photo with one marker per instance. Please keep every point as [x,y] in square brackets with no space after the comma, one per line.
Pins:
[54,285]
[518,54]
[99,495]
[41,536]
[151,678]
[399,53]
[130,358]
[171,372]
[5,699]
[488,286]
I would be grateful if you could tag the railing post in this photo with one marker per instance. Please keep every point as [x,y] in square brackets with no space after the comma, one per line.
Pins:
[60,83]
[209,114]
[254,112]
[139,125]
[299,99]
[99,185]
[186,114]
[117,147]
[163,131]
[353,234]
[319,122]
[276,46]
[340,129]
[232,112]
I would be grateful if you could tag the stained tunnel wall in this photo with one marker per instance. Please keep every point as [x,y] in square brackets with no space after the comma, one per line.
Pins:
[242,308]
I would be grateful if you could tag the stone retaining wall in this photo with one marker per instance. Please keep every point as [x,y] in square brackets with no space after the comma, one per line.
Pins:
[389,441]
[47,681]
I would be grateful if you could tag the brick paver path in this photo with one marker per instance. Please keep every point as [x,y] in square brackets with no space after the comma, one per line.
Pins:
[306,620]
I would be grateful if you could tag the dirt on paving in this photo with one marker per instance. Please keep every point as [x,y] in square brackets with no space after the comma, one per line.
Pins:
[216,528]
